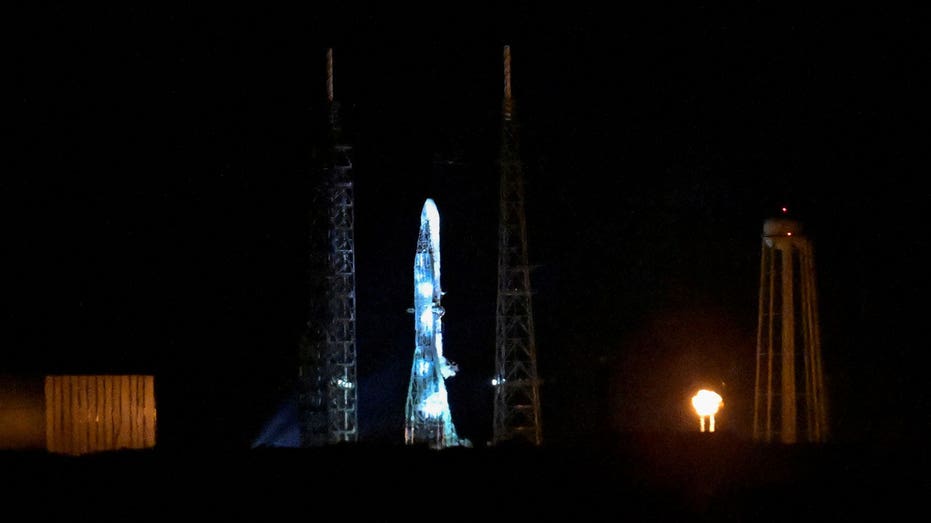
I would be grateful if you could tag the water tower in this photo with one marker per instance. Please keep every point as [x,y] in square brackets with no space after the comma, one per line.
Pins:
[789,402]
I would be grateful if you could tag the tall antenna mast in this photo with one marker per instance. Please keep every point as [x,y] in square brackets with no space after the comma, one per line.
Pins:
[508,102]
[516,382]
[329,75]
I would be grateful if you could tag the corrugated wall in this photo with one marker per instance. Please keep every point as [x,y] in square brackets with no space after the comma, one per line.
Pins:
[97,413]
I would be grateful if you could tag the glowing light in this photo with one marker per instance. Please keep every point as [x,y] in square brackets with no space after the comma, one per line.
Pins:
[784,210]
[497,381]
[426,317]
[789,233]
[707,403]
[344,384]
[435,404]
[423,367]
[425,289]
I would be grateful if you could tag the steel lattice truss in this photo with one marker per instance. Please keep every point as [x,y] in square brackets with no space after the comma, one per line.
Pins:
[517,384]
[341,327]
[327,396]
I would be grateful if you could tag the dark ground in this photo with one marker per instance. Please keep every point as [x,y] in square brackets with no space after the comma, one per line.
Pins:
[635,476]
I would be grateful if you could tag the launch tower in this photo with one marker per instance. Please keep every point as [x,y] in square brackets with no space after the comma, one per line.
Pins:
[327,372]
[516,382]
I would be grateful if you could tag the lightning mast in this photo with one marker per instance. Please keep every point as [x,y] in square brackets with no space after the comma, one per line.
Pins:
[427,416]
[327,370]
[516,382]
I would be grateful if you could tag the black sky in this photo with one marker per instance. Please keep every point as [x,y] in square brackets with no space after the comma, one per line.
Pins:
[158,203]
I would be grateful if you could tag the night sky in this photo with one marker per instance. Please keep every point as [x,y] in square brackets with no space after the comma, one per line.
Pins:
[158,204]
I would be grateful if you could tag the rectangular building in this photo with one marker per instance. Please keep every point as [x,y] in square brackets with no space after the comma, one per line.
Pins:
[93,413]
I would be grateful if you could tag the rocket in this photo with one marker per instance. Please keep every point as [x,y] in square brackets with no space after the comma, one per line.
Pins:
[427,415]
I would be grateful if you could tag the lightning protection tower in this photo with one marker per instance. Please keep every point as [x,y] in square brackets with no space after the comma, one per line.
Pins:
[516,382]
[327,366]
[789,402]
[427,416]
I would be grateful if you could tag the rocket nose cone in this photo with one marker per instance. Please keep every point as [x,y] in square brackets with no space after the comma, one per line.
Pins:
[430,221]
[430,213]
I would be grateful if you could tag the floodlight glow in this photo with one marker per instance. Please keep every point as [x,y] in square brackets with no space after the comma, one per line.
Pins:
[707,403]
[423,367]
[435,404]
[425,289]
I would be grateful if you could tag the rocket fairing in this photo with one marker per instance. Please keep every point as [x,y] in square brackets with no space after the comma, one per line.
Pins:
[427,415]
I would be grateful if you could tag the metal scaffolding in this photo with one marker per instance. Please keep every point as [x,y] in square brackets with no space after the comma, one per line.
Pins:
[328,397]
[516,382]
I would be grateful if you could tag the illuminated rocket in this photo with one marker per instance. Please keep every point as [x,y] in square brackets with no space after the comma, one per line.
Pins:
[427,416]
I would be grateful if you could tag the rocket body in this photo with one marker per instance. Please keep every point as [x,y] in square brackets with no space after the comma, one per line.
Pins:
[428,418]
